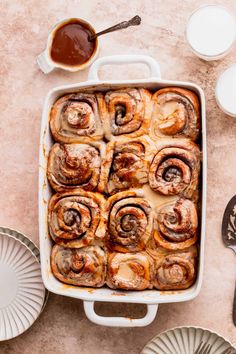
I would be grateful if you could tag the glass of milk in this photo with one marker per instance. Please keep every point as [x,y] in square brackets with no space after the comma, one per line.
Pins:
[211,31]
[225,91]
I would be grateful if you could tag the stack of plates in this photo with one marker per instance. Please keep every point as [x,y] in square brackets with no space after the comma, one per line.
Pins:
[22,293]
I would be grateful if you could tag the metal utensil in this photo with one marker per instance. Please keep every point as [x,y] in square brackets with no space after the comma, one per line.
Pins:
[229,225]
[203,348]
[229,235]
[135,21]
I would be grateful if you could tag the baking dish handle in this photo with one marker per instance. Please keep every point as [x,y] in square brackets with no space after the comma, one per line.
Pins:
[125,59]
[120,321]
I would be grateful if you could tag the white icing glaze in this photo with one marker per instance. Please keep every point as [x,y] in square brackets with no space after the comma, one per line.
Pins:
[156,199]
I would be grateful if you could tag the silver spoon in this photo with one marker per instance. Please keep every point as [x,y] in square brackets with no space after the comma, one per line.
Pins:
[135,21]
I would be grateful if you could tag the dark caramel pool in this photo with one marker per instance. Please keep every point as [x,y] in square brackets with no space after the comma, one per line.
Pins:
[71,45]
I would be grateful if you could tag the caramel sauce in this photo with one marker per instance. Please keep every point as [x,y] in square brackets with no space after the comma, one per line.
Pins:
[71,45]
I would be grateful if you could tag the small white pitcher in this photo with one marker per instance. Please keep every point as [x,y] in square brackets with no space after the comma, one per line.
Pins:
[44,60]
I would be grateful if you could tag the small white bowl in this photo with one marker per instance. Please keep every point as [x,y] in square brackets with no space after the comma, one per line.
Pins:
[210,32]
[225,91]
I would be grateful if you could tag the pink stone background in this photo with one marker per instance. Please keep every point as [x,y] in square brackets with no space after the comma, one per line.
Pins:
[63,327]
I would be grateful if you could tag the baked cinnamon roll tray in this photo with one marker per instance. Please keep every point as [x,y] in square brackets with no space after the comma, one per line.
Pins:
[122,196]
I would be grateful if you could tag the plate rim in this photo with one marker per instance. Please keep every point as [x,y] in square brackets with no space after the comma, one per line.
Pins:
[5,230]
[45,294]
[8,229]
[187,327]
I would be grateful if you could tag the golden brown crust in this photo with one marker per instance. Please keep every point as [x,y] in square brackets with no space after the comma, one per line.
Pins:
[129,220]
[176,113]
[175,169]
[175,271]
[75,219]
[176,225]
[75,118]
[126,113]
[130,271]
[126,164]
[73,166]
[81,267]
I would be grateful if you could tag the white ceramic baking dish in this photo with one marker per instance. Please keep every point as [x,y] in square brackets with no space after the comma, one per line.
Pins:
[150,297]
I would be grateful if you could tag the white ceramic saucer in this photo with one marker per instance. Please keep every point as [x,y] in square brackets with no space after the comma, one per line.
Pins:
[22,292]
[185,340]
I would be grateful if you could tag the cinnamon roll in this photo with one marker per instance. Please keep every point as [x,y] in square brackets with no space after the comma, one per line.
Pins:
[175,169]
[125,165]
[73,166]
[76,118]
[83,267]
[76,219]
[176,113]
[176,225]
[126,112]
[130,271]
[175,270]
[129,220]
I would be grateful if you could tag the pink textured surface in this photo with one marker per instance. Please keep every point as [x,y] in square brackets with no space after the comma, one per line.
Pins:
[63,327]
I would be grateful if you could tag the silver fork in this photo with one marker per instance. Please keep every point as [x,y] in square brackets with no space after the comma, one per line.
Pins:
[203,348]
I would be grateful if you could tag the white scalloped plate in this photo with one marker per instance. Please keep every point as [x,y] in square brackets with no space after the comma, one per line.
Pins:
[16,234]
[185,340]
[22,292]
[30,244]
